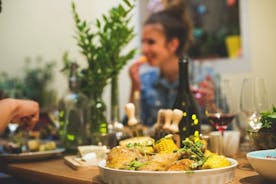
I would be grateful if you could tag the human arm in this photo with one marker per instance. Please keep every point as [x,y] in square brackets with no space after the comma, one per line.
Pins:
[135,78]
[205,94]
[18,111]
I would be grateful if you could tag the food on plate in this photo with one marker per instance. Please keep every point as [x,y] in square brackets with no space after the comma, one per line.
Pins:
[28,141]
[37,145]
[46,146]
[12,148]
[166,145]
[215,161]
[143,140]
[143,143]
[121,157]
[165,155]
[158,162]
[32,145]
[181,165]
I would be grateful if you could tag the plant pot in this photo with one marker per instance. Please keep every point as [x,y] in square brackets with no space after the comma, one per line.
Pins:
[262,140]
[98,122]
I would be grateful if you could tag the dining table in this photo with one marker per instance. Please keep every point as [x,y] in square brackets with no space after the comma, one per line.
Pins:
[56,171]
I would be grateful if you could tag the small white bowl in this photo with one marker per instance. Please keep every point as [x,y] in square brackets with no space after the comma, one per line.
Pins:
[264,162]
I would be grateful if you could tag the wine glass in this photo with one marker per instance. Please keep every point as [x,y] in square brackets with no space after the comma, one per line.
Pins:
[222,110]
[12,128]
[253,101]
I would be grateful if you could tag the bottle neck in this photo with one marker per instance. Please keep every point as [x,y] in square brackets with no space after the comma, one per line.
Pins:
[73,78]
[73,83]
[184,85]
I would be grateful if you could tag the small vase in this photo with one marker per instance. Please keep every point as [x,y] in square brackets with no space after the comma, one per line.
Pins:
[98,122]
[103,133]
[115,110]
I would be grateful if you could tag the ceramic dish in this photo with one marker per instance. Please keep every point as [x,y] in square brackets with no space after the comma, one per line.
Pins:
[264,162]
[31,155]
[207,176]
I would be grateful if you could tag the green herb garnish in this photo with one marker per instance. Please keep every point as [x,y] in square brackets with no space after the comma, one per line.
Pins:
[193,151]
[268,118]
[135,165]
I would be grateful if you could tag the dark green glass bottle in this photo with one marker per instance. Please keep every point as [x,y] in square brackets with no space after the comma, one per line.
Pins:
[190,122]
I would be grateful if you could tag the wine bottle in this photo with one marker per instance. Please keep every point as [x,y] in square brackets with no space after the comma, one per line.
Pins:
[190,122]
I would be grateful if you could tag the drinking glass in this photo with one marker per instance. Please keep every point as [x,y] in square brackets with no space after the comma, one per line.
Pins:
[253,101]
[222,110]
[12,128]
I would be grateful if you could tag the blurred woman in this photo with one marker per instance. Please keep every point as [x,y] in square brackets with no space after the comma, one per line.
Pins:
[166,36]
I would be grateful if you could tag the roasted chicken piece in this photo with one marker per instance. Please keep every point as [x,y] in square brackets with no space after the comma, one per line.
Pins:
[120,157]
[143,144]
[181,165]
[160,162]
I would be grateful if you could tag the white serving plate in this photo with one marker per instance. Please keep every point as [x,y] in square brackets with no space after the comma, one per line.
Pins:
[206,176]
[31,155]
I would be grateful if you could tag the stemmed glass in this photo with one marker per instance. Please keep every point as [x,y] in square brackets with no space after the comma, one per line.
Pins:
[253,101]
[12,128]
[222,110]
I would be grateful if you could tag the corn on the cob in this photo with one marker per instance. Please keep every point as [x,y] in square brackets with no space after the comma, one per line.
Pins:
[165,145]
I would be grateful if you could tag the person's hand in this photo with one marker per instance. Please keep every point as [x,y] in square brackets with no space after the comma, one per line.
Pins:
[26,113]
[134,74]
[205,94]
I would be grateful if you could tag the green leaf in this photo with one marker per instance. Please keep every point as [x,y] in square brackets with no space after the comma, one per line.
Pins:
[273,115]
[128,3]
[274,109]
[98,23]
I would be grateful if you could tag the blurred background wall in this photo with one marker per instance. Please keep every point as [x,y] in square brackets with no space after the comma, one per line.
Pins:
[39,28]
[262,44]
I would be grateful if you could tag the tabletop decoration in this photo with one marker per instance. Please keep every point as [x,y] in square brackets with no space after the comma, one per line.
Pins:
[265,137]
[102,45]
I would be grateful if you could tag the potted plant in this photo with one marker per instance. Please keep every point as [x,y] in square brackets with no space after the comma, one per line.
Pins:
[265,137]
[102,46]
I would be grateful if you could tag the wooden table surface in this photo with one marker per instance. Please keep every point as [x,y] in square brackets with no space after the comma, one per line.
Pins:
[51,171]
[55,171]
